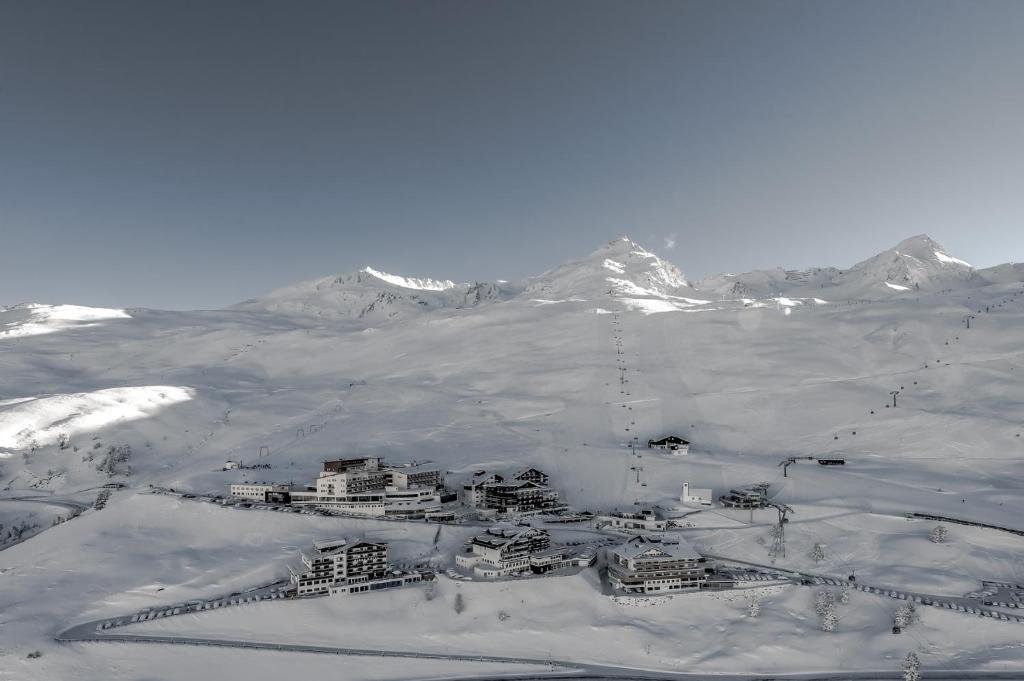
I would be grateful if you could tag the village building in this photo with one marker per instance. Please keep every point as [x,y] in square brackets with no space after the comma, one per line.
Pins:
[695,495]
[473,490]
[525,491]
[519,496]
[503,550]
[651,564]
[416,475]
[347,566]
[256,491]
[645,519]
[673,443]
[531,475]
[754,496]
[363,487]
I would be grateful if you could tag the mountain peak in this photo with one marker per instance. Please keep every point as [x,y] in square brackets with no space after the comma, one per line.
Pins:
[923,247]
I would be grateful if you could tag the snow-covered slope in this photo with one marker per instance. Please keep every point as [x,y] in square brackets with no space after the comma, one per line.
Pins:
[33,319]
[538,379]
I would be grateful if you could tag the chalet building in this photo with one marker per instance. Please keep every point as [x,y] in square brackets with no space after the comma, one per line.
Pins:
[673,443]
[525,491]
[341,566]
[695,495]
[518,496]
[754,496]
[645,519]
[504,549]
[531,475]
[473,491]
[650,564]
[257,491]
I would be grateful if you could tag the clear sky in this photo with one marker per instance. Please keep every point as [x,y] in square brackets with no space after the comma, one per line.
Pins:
[193,154]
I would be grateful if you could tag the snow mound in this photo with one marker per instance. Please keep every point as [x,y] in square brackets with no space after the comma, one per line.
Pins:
[39,420]
[33,319]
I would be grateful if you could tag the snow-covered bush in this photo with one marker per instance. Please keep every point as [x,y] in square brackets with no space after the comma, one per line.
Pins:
[905,616]
[830,621]
[824,602]
[912,667]
[818,553]
[939,534]
[460,604]
[754,607]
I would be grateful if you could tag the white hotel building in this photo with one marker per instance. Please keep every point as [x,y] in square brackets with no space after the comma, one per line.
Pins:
[344,566]
[648,564]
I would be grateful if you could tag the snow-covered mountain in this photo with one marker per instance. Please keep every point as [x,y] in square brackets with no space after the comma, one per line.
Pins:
[374,295]
[915,264]
[621,271]
[624,275]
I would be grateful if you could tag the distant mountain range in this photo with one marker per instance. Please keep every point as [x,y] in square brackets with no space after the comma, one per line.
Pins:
[637,279]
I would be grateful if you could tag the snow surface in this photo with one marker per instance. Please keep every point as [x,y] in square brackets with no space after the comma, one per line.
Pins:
[41,419]
[33,319]
[407,282]
[497,381]
[950,259]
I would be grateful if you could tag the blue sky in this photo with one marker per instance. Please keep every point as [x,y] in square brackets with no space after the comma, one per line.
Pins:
[194,154]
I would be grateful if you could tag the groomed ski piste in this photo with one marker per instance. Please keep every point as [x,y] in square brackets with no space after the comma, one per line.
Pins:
[558,372]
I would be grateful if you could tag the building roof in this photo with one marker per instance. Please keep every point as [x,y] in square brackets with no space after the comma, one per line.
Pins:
[414,468]
[657,547]
[670,439]
[504,533]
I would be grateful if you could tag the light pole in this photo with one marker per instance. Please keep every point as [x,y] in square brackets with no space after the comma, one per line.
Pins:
[894,393]
[967,320]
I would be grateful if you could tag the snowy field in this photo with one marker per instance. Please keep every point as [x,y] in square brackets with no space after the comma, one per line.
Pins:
[525,373]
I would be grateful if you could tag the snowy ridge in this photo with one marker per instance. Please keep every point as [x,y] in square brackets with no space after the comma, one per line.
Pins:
[915,264]
[33,319]
[413,283]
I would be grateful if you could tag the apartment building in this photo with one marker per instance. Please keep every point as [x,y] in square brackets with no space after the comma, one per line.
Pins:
[340,561]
